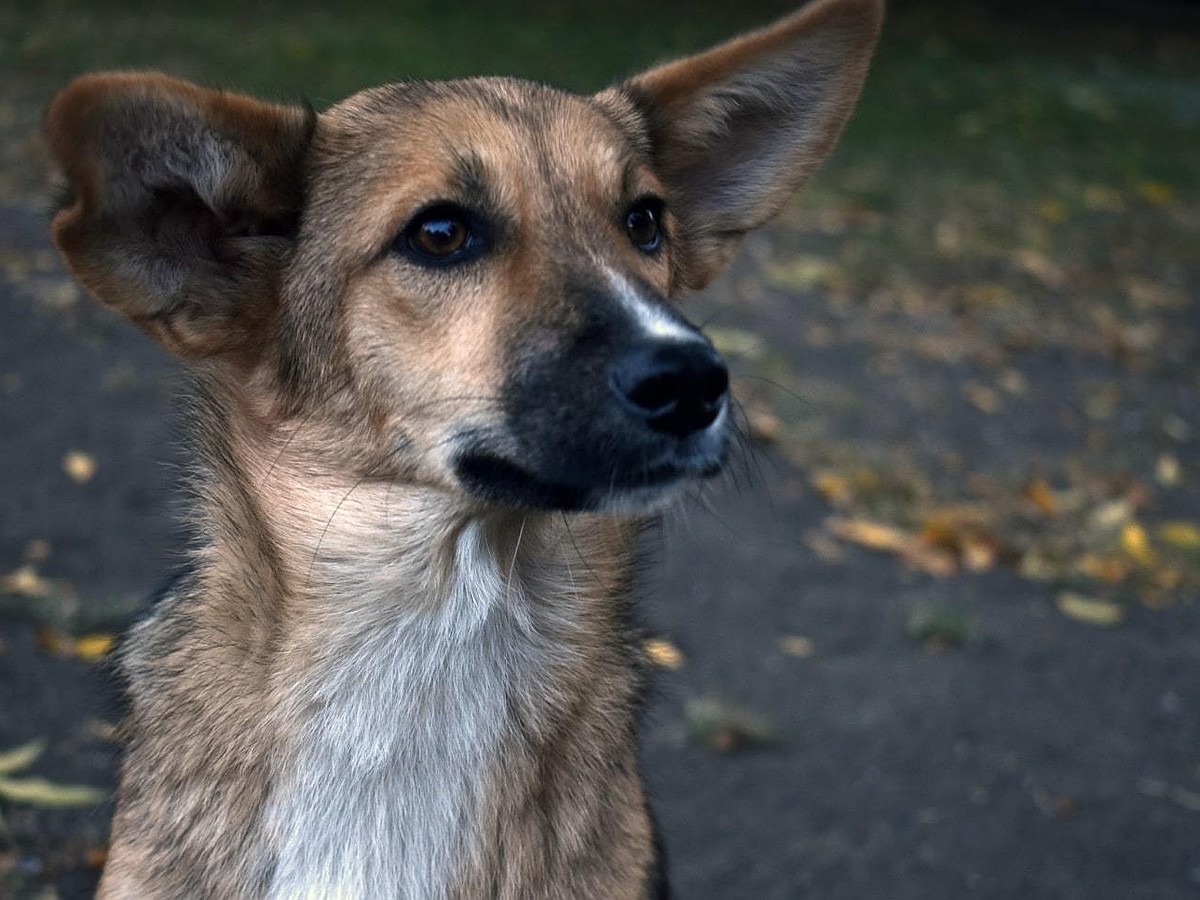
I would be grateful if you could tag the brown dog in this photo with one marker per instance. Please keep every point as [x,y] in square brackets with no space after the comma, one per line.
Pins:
[440,375]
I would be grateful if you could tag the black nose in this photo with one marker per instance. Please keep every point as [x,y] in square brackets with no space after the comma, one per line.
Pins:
[675,388]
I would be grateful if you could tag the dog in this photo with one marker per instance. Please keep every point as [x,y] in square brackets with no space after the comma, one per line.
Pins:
[441,378]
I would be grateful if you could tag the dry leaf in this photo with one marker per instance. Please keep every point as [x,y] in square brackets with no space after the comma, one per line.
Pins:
[1013,381]
[726,728]
[982,397]
[833,487]
[872,535]
[37,550]
[1136,544]
[1156,192]
[79,466]
[1040,267]
[1104,613]
[663,653]
[93,647]
[795,645]
[1040,495]
[735,342]
[89,647]
[26,582]
[1167,470]
[49,795]
[1181,535]
[764,426]
[22,757]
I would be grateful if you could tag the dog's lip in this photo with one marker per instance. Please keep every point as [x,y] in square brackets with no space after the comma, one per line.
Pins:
[486,471]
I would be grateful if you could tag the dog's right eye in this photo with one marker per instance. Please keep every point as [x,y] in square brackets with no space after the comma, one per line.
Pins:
[442,235]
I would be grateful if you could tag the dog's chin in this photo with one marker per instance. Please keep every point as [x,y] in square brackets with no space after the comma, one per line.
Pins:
[498,481]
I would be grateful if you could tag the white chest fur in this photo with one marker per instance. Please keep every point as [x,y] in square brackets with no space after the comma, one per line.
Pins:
[402,730]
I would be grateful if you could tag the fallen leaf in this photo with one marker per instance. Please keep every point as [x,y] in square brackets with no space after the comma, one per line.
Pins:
[833,487]
[1099,198]
[37,550]
[1181,535]
[1103,613]
[79,466]
[982,397]
[94,647]
[663,653]
[26,582]
[88,647]
[1136,544]
[1104,568]
[736,342]
[48,795]
[1108,516]
[1167,470]
[795,645]
[890,539]
[1038,493]
[726,728]
[1013,381]
[22,757]
[764,426]
[1156,192]
[1040,267]
[872,535]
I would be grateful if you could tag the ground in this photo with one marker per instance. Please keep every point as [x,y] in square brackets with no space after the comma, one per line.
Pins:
[935,635]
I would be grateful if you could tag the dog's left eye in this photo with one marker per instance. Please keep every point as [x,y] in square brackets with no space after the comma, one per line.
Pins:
[643,224]
[442,235]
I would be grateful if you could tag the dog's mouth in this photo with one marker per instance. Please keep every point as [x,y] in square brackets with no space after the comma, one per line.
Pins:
[494,479]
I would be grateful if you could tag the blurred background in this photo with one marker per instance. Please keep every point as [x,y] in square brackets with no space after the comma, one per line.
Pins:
[936,636]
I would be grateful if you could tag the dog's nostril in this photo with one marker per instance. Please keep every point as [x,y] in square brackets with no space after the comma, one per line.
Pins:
[675,389]
[658,394]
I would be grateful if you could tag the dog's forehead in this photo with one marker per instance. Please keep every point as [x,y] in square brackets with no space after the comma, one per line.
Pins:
[506,127]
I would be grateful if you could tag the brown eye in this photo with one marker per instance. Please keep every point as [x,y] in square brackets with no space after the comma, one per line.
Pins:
[442,235]
[643,224]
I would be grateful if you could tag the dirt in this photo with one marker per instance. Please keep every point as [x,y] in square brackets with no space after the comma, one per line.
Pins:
[1023,754]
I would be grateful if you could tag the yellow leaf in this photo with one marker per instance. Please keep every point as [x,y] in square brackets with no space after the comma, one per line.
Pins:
[22,757]
[79,466]
[1136,544]
[1040,267]
[1040,495]
[48,795]
[37,550]
[982,397]
[795,645]
[663,653]
[26,582]
[1156,192]
[833,487]
[1090,610]
[735,342]
[92,647]
[1167,470]
[1183,535]
[1053,211]
[873,535]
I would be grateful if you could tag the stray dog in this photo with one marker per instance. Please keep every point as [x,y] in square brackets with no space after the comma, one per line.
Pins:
[441,377]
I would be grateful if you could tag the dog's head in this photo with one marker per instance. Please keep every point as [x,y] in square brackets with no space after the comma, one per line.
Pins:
[475,280]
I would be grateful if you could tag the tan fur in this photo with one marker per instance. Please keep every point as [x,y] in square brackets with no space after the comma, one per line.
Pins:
[337,551]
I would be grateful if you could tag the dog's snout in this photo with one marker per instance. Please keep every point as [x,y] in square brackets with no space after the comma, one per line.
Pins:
[674,388]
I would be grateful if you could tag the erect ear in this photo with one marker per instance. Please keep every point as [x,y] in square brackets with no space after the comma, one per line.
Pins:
[182,205]
[735,130]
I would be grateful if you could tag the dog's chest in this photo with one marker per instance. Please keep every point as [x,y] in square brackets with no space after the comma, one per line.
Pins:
[399,744]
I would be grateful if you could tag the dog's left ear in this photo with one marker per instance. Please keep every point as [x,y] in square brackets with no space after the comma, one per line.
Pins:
[735,130]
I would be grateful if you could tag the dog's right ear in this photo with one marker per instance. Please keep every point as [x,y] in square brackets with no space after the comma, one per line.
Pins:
[183,204]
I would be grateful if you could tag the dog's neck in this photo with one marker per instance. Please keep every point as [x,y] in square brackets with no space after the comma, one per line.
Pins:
[431,665]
